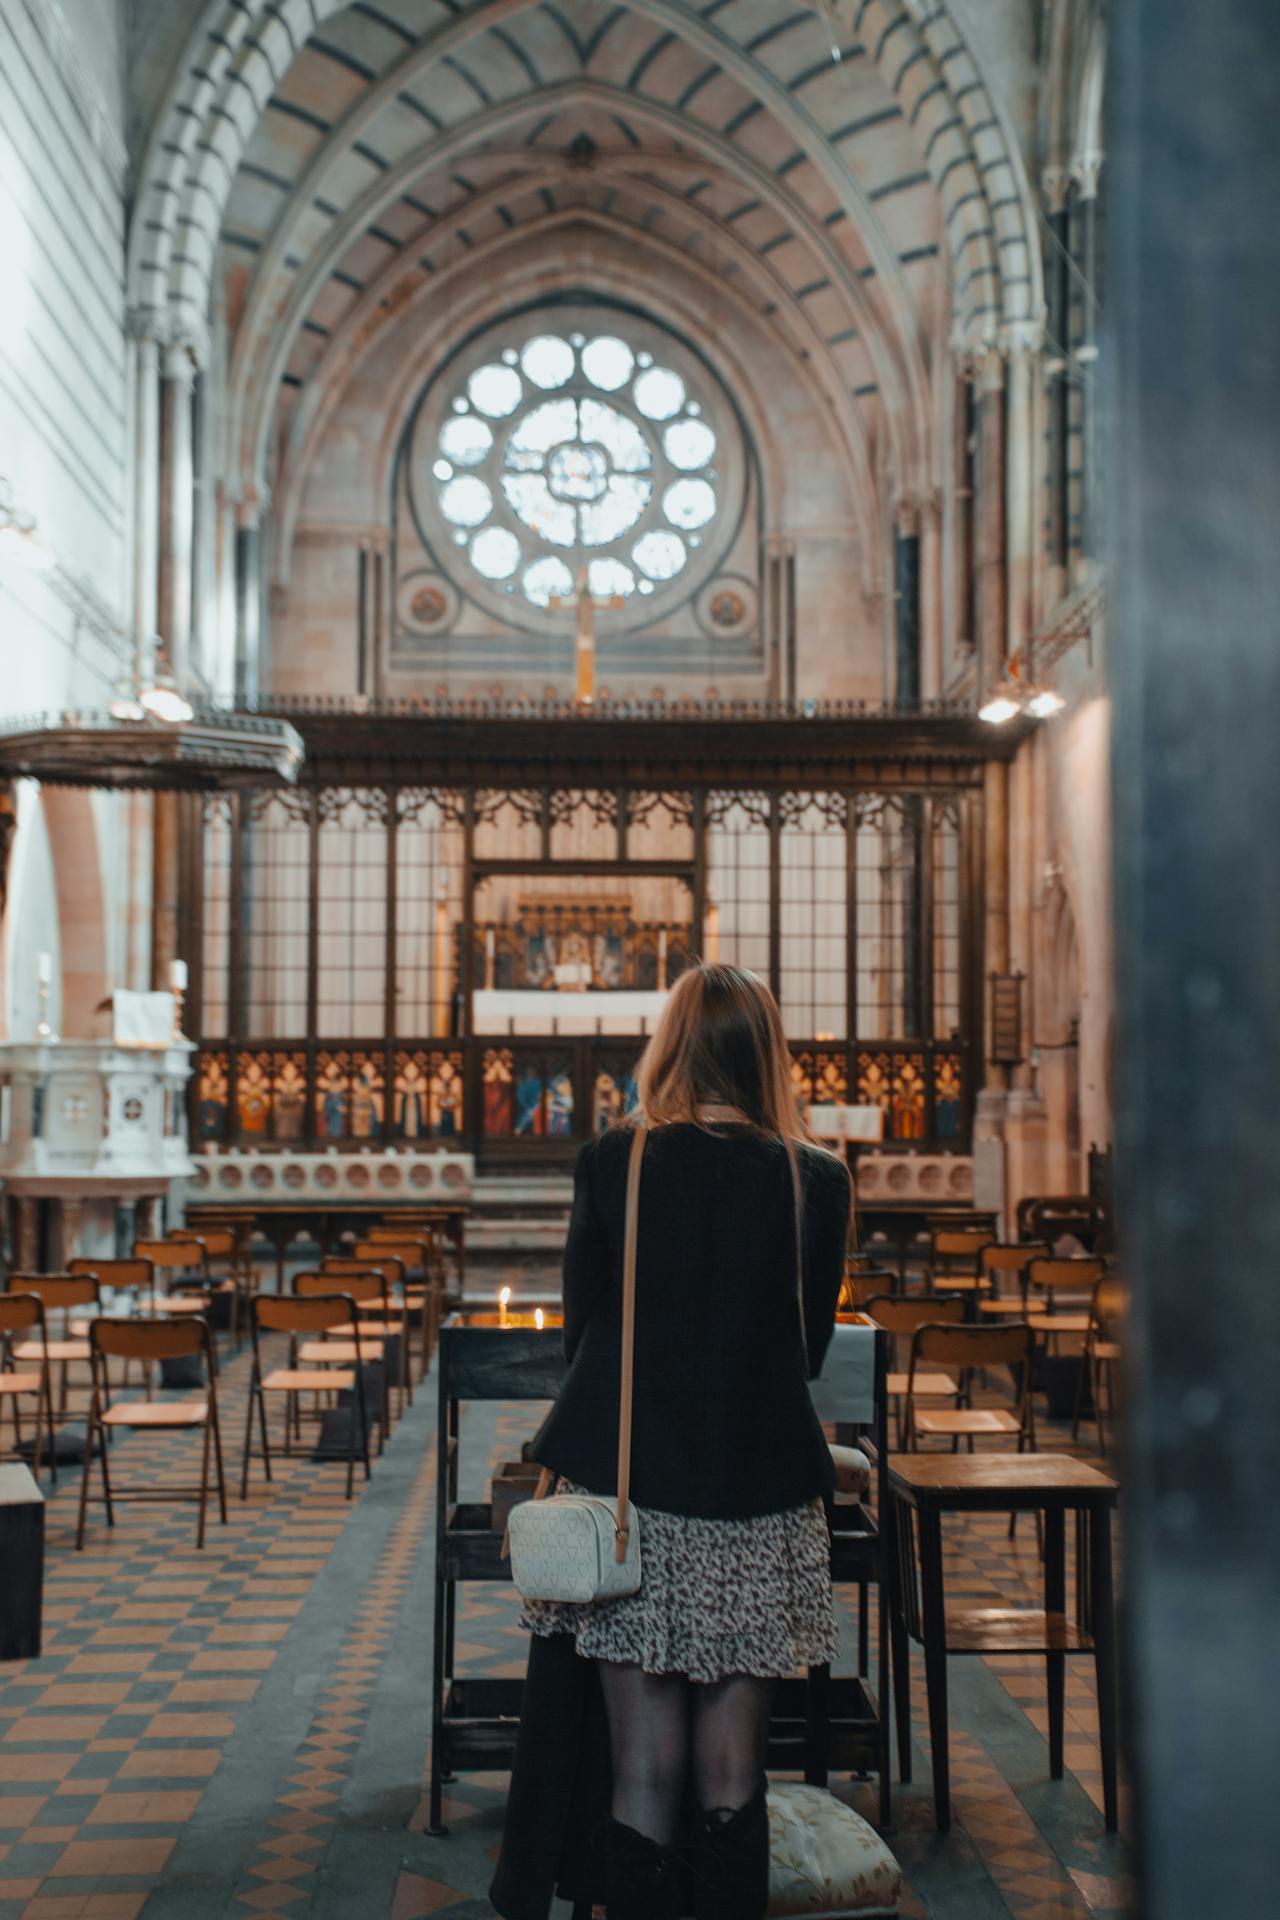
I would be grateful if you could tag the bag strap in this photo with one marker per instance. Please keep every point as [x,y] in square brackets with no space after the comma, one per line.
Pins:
[622,1527]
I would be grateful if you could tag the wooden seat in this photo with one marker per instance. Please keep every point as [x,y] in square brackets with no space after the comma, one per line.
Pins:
[156,1413]
[954,1259]
[968,1348]
[59,1294]
[63,1350]
[183,1262]
[151,1342]
[317,1365]
[23,1313]
[900,1314]
[419,1268]
[308,1380]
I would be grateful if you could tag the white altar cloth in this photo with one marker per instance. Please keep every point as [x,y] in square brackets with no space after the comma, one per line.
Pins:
[530,1010]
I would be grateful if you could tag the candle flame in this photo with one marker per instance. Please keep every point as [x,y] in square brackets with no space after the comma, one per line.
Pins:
[504,1296]
[537,1318]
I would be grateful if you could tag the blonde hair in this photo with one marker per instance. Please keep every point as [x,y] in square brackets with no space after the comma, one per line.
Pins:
[719,1041]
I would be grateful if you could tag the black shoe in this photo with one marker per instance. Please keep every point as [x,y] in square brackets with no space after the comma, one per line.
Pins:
[643,1880]
[729,1861]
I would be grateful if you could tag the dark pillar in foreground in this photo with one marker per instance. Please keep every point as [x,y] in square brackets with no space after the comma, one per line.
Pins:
[1194,493]
[21,1560]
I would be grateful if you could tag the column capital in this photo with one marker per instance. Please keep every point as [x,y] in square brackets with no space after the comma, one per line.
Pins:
[148,326]
[908,511]
[1055,186]
[1086,170]
[1021,339]
[250,506]
[180,364]
[979,361]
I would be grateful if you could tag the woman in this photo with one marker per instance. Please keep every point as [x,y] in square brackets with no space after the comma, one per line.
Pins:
[729,1462]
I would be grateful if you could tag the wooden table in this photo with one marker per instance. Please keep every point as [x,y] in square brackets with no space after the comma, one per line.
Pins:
[923,1487]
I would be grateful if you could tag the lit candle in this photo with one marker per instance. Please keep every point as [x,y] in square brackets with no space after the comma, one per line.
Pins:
[178,975]
[537,1318]
[44,969]
[503,1298]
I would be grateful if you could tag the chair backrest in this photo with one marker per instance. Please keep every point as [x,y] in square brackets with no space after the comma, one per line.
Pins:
[174,1256]
[999,1256]
[357,1286]
[19,1312]
[1046,1275]
[150,1340]
[219,1243]
[291,1313]
[969,1346]
[414,1234]
[1110,1307]
[861,1284]
[410,1253]
[115,1273]
[960,1243]
[394,1261]
[58,1291]
[904,1312]
[337,1263]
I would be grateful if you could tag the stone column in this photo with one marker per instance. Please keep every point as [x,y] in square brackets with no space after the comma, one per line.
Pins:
[987,370]
[906,603]
[248,596]
[164,887]
[1022,347]
[146,488]
[1085,172]
[1193,474]
[178,510]
[931,595]
[989,1114]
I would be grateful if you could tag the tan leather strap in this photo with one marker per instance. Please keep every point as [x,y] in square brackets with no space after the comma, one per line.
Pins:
[628,1339]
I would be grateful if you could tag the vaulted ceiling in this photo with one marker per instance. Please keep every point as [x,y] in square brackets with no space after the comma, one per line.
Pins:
[840,170]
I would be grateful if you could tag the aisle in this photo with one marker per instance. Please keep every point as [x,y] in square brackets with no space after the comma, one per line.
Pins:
[244,1731]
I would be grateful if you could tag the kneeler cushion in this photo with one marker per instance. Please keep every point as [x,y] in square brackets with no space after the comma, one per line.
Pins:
[824,1860]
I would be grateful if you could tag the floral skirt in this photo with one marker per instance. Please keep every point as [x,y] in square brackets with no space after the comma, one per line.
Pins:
[716,1597]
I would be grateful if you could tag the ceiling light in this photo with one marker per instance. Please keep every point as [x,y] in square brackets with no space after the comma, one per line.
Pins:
[124,707]
[164,702]
[998,709]
[1043,703]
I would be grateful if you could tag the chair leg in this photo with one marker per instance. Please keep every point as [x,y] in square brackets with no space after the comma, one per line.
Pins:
[84,1477]
[204,1485]
[216,1424]
[1055,1601]
[254,1394]
[935,1660]
[106,1474]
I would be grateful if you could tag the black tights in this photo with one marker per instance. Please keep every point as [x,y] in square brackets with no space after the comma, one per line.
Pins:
[661,1725]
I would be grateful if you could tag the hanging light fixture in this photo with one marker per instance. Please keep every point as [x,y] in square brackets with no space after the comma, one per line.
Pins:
[1000,707]
[164,702]
[1043,702]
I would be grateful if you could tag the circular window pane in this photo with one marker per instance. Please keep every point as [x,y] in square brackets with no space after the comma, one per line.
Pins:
[576,472]
[548,361]
[495,553]
[609,518]
[621,438]
[689,444]
[544,427]
[466,501]
[689,503]
[465,440]
[532,500]
[608,578]
[545,579]
[496,390]
[660,555]
[608,362]
[659,393]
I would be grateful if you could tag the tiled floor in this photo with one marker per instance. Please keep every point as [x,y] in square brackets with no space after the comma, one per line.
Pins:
[245,1730]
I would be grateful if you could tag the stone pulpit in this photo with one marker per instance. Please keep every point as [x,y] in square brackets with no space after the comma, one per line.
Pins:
[86,1126]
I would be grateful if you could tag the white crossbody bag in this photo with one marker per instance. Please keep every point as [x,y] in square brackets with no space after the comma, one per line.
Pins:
[583,1546]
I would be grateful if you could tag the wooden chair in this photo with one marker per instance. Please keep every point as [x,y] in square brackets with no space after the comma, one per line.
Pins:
[23,1314]
[966,1348]
[423,1287]
[900,1313]
[369,1291]
[152,1341]
[396,1299]
[1059,1296]
[316,1314]
[954,1257]
[131,1283]
[1004,1267]
[220,1249]
[1102,1353]
[59,1293]
[863,1284]
[175,1257]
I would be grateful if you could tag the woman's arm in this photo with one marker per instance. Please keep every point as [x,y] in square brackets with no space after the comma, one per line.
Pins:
[828,1196]
[586,1256]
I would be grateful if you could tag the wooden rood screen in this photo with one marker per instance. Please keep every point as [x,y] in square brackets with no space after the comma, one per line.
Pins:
[338,930]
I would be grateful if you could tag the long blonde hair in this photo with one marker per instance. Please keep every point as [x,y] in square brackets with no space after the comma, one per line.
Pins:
[719,1041]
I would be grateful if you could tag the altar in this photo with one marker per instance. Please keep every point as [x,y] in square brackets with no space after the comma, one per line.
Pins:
[566,1011]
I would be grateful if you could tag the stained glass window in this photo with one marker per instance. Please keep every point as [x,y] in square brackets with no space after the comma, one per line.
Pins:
[574,450]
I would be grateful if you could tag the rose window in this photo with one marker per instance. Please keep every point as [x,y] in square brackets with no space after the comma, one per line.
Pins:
[572,450]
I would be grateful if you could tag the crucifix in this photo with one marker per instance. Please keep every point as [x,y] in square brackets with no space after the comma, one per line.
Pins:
[585,603]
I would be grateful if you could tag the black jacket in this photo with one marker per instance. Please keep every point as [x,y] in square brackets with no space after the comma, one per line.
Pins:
[723,1426]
